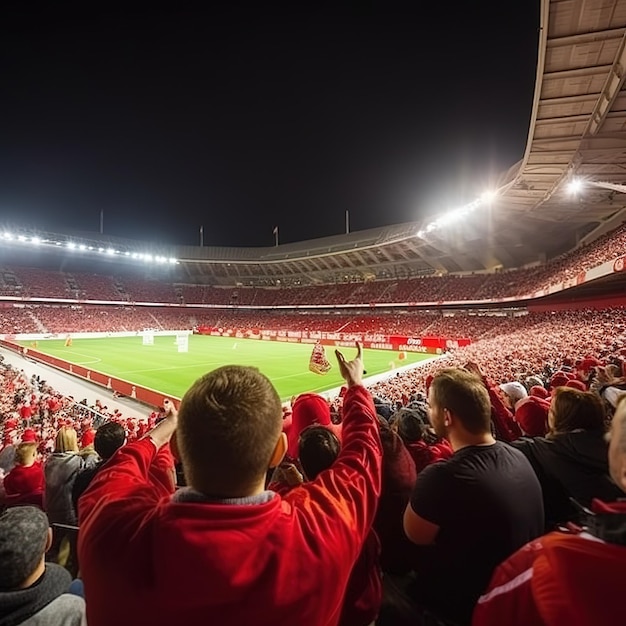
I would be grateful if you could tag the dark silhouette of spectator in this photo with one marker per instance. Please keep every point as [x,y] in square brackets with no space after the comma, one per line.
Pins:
[473,510]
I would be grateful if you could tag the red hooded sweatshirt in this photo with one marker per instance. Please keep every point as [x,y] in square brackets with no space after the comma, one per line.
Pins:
[559,579]
[148,559]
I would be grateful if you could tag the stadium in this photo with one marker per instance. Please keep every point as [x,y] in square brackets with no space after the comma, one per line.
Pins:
[528,281]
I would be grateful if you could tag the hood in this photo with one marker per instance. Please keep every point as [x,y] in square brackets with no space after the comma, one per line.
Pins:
[584,447]
[308,409]
[17,606]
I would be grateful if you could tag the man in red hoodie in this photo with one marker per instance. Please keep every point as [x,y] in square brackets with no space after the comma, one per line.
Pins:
[574,578]
[224,549]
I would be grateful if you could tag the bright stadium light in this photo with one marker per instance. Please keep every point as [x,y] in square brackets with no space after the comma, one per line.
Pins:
[21,238]
[7,236]
[127,253]
[82,246]
[488,196]
[575,186]
[71,245]
[172,260]
[147,257]
[110,251]
[35,240]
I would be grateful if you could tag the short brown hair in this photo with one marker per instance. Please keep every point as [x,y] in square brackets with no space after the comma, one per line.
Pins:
[25,451]
[573,409]
[229,422]
[465,396]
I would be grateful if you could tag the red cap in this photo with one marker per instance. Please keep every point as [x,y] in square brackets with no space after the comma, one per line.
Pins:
[29,436]
[88,437]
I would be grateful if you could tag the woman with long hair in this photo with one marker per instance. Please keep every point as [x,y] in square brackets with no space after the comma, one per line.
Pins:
[60,471]
[571,460]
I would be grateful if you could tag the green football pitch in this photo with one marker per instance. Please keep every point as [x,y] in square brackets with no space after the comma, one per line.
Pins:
[162,368]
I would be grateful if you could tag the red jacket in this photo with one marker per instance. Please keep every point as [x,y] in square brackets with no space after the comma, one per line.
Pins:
[424,454]
[572,579]
[24,480]
[147,559]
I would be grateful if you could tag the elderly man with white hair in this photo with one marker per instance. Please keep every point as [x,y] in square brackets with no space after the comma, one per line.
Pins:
[575,576]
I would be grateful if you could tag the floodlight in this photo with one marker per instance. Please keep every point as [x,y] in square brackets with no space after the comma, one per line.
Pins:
[90,248]
[575,186]
[21,238]
[82,246]
[110,251]
[127,253]
[147,257]
[71,245]
[8,236]
[35,240]
[172,260]
[488,196]
[100,249]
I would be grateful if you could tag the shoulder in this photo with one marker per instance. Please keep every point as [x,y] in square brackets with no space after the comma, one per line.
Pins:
[65,610]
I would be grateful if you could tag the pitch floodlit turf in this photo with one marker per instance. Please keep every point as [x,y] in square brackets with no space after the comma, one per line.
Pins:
[163,368]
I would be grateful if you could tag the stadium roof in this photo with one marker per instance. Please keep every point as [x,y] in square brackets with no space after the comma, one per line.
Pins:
[577,130]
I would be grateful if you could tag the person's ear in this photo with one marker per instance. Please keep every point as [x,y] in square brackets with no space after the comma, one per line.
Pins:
[174,447]
[48,540]
[279,451]
[447,418]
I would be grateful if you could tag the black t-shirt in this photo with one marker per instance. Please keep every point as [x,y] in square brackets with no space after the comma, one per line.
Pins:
[487,503]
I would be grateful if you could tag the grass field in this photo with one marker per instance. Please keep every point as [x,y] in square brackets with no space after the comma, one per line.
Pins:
[163,368]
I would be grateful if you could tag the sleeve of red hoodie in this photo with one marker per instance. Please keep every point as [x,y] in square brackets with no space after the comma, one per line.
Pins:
[509,597]
[506,427]
[341,502]
[126,486]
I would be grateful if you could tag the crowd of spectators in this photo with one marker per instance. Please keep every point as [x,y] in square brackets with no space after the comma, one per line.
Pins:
[28,282]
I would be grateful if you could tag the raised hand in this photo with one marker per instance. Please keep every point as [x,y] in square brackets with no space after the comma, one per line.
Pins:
[352,371]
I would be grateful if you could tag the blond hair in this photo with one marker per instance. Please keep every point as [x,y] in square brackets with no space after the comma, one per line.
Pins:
[66,440]
[25,452]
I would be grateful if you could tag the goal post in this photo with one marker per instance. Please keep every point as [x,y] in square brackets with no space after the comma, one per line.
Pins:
[148,337]
[182,341]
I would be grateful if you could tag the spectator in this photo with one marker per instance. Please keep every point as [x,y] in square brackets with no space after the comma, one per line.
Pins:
[569,578]
[399,476]
[32,591]
[308,409]
[87,450]
[25,482]
[60,471]
[423,444]
[513,392]
[107,440]
[571,461]
[473,510]
[224,547]
[531,414]
[318,450]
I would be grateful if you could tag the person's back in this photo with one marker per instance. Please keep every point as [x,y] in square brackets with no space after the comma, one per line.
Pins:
[473,510]
[60,471]
[572,461]
[225,550]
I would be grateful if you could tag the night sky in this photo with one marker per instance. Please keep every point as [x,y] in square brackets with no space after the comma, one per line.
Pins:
[244,119]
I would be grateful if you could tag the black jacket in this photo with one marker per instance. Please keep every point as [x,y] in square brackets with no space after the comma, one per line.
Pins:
[570,465]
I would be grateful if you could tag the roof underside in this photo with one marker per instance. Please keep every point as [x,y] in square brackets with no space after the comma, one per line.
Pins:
[577,129]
